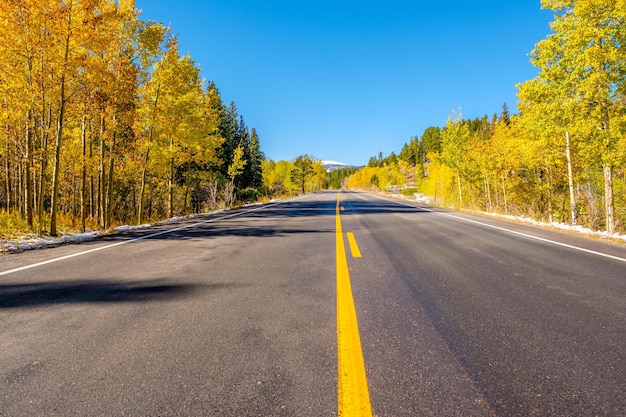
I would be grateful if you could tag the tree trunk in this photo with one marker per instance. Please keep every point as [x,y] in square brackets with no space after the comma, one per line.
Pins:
[458,178]
[59,135]
[91,182]
[549,197]
[608,199]
[506,204]
[44,166]
[213,194]
[101,200]
[57,163]
[29,164]
[83,180]
[188,174]
[7,167]
[570,179]
[488,190]
[19,197]
[109,208]
[147,159]
[142,189]
[170,183]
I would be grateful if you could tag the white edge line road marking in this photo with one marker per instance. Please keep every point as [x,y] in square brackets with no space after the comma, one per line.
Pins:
[73,255]
[503,229]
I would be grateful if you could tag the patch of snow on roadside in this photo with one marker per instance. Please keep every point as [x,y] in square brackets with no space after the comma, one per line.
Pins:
[126,228]
[423,199]
[561,226]
[34,242]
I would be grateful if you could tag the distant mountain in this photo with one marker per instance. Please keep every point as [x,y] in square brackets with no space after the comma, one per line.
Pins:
[333,165]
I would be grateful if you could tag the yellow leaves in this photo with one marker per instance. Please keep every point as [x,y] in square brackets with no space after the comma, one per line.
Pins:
[173,111]
[237,165]
[381,178]
[318,178]
[150,38]
[439,181]
[281,180]
[93,60]
[293,177]
[454,141]
[268,169]
[582,75]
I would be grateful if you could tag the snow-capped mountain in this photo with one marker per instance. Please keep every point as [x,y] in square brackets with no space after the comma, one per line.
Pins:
[333,165]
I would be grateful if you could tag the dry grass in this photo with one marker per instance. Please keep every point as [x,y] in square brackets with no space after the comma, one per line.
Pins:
[13,225]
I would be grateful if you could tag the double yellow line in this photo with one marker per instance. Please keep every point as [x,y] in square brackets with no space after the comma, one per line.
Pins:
[353,396]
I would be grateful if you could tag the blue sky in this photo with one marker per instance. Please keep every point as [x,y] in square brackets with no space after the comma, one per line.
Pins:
[343,80]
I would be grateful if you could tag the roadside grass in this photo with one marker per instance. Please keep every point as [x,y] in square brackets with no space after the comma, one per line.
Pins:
[16,235]
[13,225]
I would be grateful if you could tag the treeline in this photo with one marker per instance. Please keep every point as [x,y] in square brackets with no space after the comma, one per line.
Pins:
[104,121]
[305,174]
[562,158]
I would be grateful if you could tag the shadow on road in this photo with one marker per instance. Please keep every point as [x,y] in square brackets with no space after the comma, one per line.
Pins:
[55,292]
[210,225]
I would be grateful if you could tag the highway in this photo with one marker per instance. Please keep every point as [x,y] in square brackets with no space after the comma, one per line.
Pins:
[327,304]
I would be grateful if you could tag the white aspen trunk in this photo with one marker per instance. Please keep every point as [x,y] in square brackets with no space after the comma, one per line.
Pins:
[83,179]
[109,207]
[170,182]
[101,198]
[458,177]
[570,179]
[488,189]
[142,189]
[608,199]
[506,206]
[29,164]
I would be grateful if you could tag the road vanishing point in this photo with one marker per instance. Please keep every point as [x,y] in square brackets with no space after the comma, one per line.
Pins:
[330,304]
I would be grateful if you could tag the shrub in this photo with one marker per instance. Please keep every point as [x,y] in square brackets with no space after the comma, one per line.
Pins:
[408,192]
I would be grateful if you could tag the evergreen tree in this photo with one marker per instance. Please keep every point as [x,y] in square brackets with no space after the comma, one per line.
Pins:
[255,161]
[227,127]
[430,142]
[410,151]
[392,159]
[505,116]
[242,139]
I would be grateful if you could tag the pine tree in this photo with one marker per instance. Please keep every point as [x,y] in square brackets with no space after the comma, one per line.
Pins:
[256,160]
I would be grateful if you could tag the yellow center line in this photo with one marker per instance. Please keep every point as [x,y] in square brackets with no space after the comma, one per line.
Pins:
[354,248]
[353,396]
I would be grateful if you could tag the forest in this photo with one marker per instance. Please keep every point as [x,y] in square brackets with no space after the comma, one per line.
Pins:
[105,122]
[562,158]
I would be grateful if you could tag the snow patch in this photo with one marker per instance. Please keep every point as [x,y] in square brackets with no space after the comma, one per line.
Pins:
[560,226]
[423,199]
[35,242]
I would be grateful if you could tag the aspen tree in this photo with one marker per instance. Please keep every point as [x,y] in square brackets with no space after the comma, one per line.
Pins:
[454,142]
[93,107]
[66,30]
[151,39]
[586,51]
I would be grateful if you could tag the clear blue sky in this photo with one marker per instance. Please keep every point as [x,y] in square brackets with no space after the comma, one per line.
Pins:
[343,79]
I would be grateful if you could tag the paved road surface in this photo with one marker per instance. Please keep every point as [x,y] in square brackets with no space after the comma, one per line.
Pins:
[457,316]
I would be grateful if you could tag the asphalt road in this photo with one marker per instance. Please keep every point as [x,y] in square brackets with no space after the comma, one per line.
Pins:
[236,315]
